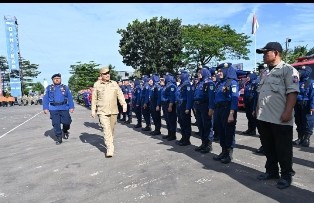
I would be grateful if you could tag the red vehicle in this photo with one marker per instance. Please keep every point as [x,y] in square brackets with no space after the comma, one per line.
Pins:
[305,61]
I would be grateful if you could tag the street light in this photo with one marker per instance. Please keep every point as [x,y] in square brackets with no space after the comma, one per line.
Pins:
[288,40]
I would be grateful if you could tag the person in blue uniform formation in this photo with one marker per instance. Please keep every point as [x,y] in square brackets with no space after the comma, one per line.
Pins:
[250,95]
[184,102]
[136,101]
[168,102]
[226,106]
[304,108]
[155,106]
[145,103]
[58,101]
[127,93]
[204,105]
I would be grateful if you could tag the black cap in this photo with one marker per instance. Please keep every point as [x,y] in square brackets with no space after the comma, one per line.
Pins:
[273,46]
[56,75]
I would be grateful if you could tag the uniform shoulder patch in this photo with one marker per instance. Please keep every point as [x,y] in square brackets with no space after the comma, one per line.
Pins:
[295,79]
[211,87]
[188,88]
[234,88]
[172,89]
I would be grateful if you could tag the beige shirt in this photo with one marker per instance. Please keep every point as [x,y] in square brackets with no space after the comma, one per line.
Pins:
[105,97]
[273,89]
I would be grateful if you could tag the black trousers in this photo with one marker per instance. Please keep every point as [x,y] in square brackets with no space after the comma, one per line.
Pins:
[277,144]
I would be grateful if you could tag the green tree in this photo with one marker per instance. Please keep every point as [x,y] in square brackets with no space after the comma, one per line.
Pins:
[28,72]
[83,75]
[153,46]
[212,43]
[38,87]
[4,68]
[290,56]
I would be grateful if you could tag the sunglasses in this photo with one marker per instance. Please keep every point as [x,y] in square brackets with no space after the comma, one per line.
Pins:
[105,73]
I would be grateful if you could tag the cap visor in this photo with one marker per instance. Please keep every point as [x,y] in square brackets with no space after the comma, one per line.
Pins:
[260,51]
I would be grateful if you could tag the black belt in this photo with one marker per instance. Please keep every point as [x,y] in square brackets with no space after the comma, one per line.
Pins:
[222,104]
[200,102]
[58,103]
[303,102]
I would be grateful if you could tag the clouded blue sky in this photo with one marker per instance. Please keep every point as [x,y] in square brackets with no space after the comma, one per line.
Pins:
[58,35]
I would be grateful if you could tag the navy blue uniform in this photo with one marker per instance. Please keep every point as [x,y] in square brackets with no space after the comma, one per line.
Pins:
[250,96]
[58,100]
[145,103]
[304,107]
[226,106]
[170,106]
[127,93]
[155,106]
[136,102]
[184,100]
[203,101]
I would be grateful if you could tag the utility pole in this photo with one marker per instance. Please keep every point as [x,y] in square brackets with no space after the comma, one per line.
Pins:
[287,45]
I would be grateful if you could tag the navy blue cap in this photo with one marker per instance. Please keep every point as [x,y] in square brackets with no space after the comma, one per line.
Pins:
[56,75]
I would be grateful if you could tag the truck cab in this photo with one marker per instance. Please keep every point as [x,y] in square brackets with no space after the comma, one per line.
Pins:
[305,61]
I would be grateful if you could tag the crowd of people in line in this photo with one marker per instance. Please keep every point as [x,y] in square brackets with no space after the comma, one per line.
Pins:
[274,100]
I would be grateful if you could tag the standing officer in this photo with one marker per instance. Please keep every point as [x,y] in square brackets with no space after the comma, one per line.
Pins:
[168,98]
[120,114]
[278,93]
[137,102]
[155,107]
[104,102]
[304,108]
[145,103]
[262,73]
[250,95]
[204,105]
[185,103]
[58,101]
[226,107]
[127,93]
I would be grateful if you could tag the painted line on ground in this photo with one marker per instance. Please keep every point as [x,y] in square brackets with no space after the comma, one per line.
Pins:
[20,124]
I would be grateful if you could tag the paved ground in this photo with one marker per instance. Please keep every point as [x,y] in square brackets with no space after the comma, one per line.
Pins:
[144,168]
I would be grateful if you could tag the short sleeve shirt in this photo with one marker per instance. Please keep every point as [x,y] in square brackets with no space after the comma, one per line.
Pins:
[273,89]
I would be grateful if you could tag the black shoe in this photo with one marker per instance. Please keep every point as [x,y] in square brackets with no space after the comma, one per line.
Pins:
[199,148]
[194,124]
[147,128]
[184,143]
[128,121]
[228,156]
[220,156]
[268,176]
[59,140]
[284,183]
[206,149]
[155,133]
[137,126]
[260,150]
[297,141]
[252,133]
[173,137]
[165,137]
[65,135]
[306,142]
[197,133]
[245,132]
[216,139]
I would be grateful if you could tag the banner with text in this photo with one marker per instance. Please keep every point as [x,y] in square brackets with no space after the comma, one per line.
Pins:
[13,56]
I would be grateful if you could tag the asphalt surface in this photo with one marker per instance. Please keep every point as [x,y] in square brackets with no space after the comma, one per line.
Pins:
[144,168]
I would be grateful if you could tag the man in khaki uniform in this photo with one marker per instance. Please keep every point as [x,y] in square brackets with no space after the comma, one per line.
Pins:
[278,92]
[106,93]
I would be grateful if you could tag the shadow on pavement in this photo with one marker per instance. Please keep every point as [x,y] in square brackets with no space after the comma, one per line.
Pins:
[50,133]
[95,140]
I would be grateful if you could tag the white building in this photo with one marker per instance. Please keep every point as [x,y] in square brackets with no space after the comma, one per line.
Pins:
[125,74]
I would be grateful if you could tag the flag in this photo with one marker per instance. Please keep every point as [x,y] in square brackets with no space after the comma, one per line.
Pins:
[254,25]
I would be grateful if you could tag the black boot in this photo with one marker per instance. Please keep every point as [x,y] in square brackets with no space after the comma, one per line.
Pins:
[58,140]
[147,128]
[155,132]
[166,137]
[221,155]
[199,148]
[207,147]
[138,126]
[299,140]
[252,133]
[260,150]
[65,135]
[227,159]
[128,121]
[306,141]
[185,141]
[172,136]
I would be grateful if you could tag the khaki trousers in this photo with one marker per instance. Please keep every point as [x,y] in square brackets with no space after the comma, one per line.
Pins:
[108,123]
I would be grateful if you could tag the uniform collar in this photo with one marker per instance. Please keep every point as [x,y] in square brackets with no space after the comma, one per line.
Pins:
[105,82]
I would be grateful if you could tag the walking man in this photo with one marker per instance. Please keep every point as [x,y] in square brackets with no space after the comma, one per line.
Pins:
[104,103]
